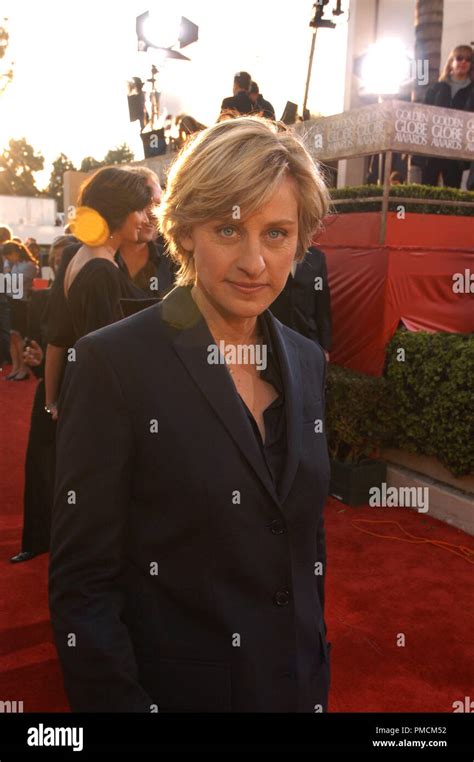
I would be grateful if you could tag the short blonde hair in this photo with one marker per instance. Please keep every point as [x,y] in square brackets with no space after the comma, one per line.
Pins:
[237,163]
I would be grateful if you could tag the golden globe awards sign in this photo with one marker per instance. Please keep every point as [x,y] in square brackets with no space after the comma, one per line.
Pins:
[393,125]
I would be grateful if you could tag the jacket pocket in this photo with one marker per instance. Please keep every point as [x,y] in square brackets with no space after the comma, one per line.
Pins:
[192,685]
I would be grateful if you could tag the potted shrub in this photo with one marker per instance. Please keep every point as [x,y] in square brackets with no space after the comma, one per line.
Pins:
[357,427]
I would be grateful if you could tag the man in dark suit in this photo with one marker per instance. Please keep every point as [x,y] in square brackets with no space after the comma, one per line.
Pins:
[240,101]
[305,302]
[260,104]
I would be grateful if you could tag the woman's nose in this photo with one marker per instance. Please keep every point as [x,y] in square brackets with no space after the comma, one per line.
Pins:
[251,259]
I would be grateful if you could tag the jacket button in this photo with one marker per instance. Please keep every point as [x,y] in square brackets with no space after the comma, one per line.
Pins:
[282,597]
[277,527]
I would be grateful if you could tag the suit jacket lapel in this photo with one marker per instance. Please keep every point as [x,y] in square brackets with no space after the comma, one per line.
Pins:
[191,343]
[289,361]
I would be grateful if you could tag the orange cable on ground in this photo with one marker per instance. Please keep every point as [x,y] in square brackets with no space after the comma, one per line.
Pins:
[458,550]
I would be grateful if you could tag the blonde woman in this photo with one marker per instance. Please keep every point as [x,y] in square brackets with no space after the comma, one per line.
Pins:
[190,564]
[455,89]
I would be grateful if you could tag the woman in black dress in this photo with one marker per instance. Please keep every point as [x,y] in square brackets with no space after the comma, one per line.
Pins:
[87,293]
[113,208]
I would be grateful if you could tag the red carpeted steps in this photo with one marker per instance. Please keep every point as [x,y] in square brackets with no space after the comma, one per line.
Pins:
[377,589]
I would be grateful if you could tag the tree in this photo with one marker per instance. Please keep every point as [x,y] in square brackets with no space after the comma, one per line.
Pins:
[6,68]
[89,163]
[119,155]
[19,162]
[428,32]
[55,185]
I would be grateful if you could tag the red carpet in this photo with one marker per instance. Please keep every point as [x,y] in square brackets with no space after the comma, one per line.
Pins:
[377,588]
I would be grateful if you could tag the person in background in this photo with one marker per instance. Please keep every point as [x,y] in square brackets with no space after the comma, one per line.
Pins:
[187,125]
[5,235]
[34,248]
[145,262]
[240,101]
[138,258]
[453,90]
[23,264]
[142,261]
[91,283]
[56,252]
[261,106]
[305,302]
[41,451]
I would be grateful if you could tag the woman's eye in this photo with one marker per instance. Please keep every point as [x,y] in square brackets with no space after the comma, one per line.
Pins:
[274,235]
[227,231]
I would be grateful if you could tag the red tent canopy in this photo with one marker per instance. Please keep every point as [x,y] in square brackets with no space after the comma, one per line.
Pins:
[415,278]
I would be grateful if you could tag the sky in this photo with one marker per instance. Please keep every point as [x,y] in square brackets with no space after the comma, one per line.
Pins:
[72,61]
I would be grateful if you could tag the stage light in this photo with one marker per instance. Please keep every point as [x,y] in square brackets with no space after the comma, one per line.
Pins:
[163,31]
[385,67]
[160,31]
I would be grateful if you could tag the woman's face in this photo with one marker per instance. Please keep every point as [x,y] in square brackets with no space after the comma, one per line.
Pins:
[242,265]
[462,62]
[131,228]
[149,230]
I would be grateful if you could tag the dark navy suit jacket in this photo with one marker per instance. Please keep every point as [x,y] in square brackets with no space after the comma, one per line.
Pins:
[179,579]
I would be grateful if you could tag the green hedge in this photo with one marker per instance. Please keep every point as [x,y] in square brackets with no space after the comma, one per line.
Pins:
[423,404]
[409,190]
[357,414]
[433,396]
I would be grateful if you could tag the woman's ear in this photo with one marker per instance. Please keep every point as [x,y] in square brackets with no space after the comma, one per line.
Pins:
[187,241]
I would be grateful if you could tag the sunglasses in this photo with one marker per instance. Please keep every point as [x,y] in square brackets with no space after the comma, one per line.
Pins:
[468,59]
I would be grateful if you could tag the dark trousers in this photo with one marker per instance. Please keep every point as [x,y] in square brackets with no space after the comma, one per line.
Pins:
[39,477]
[450,169]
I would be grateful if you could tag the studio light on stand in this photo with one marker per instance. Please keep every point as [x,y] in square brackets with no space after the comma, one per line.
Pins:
[160,32]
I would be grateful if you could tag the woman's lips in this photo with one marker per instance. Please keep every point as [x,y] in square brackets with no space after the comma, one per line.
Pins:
[247,288]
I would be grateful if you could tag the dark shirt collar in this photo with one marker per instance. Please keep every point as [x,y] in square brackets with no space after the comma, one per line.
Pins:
[152,256]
